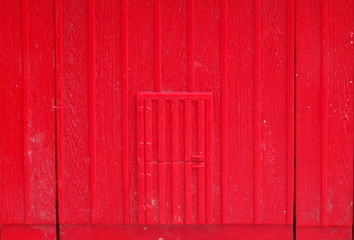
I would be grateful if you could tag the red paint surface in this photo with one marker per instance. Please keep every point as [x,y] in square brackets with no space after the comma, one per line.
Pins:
[28,232]
[27,113]
[324,113]
[153,232]
[251,115]
[177,113]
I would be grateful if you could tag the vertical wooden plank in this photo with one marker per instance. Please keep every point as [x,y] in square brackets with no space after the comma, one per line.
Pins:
[26,120]
[308,112]
[273,96]
[141,68]
[108,112]
[257,81]
[340,109]
[27,131]
[157,49]
[324,115]
[224,118]
[74,194]
[149,205]
[11,135]
[175,199]
[40,112]
[241,85]
[188,159]
[162,160]
[59,88]
[125,114]
[149,161]
[290,112]
[141,160]
[200,157]
[209,180]
[207,70]
[174,45]
[92,108]
[191,22]
[324,110]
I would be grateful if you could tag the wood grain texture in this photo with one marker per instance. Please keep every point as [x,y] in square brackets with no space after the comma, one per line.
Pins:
[241,60]
[273,112]
[324,101]
[109,168]
[207,72]
[74,177]
[96,56]
[141,78]
[340,112]
[41,113]
[11,137]
[125,117]
[27,168]
[174,47]
[258,127]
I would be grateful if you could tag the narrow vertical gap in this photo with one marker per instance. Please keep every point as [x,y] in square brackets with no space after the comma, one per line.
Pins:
[58,103]
[125,115]
[92,108]
[191,80]
[224,105]
[25,110]
[294,117]
[158,87]
[257,70]
[290,115]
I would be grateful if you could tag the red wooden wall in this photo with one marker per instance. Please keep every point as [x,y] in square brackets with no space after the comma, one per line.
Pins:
[27,97]
[324,118]
[176,112]
[110,51]
[27,125]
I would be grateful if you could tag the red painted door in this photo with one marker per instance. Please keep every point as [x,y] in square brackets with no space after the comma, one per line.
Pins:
[176,119]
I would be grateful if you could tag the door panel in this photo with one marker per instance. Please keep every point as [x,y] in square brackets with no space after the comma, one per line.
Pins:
[174,158]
